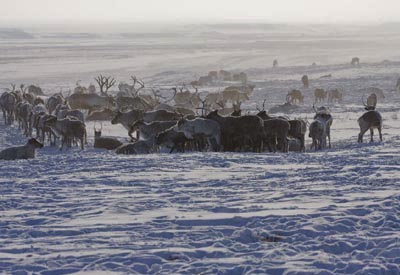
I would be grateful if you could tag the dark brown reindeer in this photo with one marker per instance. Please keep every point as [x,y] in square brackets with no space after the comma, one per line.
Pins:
[370,120]
[101,142]
[305,81]
[355,61]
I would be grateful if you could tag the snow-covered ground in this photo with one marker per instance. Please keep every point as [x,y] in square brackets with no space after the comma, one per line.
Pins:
[330,212]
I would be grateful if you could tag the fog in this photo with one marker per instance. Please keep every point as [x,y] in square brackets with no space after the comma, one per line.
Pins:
[176,11]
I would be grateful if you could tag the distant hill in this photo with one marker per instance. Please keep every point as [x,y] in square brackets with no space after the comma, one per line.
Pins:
[14,34]
[71,35]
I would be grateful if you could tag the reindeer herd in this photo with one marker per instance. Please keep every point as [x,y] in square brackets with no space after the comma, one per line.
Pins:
[154,120]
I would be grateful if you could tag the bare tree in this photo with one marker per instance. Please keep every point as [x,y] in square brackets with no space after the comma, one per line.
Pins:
[105,83]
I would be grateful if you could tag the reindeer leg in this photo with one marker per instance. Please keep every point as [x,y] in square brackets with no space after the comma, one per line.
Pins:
[380,133]
[329,140]
[372,134]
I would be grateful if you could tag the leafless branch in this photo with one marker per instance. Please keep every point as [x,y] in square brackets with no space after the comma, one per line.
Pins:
[105,83]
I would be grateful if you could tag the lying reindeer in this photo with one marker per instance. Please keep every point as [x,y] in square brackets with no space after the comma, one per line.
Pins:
[107,143]
[26,151]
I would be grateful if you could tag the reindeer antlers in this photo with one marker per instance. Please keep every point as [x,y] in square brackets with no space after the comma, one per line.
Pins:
[365,105]
[12,87]
[139,82]
[23,88]
[105,82]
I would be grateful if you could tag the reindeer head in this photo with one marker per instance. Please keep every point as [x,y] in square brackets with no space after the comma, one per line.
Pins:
[33,142]
[371,103]
[97,132]
[117,117]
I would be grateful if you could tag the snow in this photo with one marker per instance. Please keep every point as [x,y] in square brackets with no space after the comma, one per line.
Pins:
[331,212]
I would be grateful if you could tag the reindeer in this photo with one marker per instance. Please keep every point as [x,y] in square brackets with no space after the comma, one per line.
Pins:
[317,133]
[205,80]
[378,92]
[239,132]
[79,90]
[335,95]
[247,88]
[370,120]
[53,101]
[134,89]
[213,75]
[26,151]
[320,95]
[24,112]
[276,131]
[225,75]
[237,111]
[242,77]
[129,97]
[372,100]
[8,102]
[296,130]
[234,94]
[90,101]
[71,113]
[323,115]
[207,128]
[186,98]
[129,118]
[105,114]
[138,147]
[305,81]
[43,129]
[107,143]
[36,112]
[150,130]
[91,89]
[213,100]
[294,96]
[355,61]
[69,129]
[275,63]
[29,97]
[173,139]
[36,90]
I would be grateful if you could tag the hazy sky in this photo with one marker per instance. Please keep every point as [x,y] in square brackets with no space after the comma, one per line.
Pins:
[318,11]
